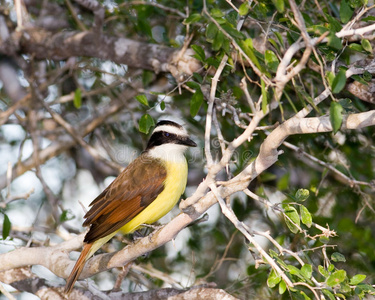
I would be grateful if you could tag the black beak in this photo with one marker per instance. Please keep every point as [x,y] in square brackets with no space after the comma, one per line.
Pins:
[188,142]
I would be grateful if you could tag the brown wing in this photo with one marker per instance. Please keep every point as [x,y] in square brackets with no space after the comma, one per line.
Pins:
[130,193]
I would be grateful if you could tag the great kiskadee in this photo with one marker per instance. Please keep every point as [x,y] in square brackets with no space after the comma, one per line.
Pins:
[147,189]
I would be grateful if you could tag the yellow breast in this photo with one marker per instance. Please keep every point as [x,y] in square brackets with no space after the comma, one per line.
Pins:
[174,186]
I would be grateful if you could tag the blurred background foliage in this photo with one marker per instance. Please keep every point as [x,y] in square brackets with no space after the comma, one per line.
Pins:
[80,89]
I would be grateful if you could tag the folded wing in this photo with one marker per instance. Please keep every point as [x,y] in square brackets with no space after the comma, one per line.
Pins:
[130,193]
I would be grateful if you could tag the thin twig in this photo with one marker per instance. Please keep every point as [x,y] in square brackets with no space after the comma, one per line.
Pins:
[310,288]
[227,211]
[74,15]
[77,137]
[211,102]
[163,7]
[350,181]
[243,86]
[6,293]
[238,48]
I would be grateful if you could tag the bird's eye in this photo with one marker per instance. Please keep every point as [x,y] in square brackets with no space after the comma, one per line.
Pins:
[167,134]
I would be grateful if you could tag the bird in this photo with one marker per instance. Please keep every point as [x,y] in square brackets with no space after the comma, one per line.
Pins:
[147,189]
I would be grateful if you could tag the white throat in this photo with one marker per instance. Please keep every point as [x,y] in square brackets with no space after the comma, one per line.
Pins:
[169,152]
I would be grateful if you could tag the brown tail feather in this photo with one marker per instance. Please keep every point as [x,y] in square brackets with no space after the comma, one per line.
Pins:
[78,267]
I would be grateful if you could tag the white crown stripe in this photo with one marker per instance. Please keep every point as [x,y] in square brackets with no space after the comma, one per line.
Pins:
[171,129]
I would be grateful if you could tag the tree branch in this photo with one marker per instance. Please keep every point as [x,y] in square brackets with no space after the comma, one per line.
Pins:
[65,142]
[44,44]
[25,281]
[56,258]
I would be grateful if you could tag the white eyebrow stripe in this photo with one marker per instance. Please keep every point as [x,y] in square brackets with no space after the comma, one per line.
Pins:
[171,129]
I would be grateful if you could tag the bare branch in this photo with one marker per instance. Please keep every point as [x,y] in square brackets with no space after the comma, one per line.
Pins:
[66,142]
[24,280]
[341,176]
[62,45]
[357,31]
[211,102]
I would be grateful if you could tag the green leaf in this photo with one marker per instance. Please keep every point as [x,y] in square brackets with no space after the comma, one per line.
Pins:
[162,105]
[334,42]
[283,182]
[331,267]
[232,17]
[357,279]
[357,3]
[306,217]
[6,226]
[282,287]
[281,262]
[211,31]
[198,77]
[199,53]
[344,288]
[273,279]
[233,31]
[66,215]
[193,18]
[144,27]
[368,19]
[271,60]
[291,212]
[218,41]
[142,99]
[361,290]
[279,4]
[330,77]
[367,76]
[336,278]
[302,194]
[366,45]
[306,271]
[77,100]
[264,96]
[346,104]
[243,9]
[196,102]
[356,47]
[194,85]
[147,77]
[247,46]
[328,294]
[275,44]
[273,254]
[304,295]
[217,13]
[337,257]
[145,123]
[279,37]
[227,48]
[346,12]
[335,116]
[334,24]
[323,271]
[359,79]
[295,271]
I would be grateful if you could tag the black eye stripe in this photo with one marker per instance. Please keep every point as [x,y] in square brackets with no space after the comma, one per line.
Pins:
[162,137]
